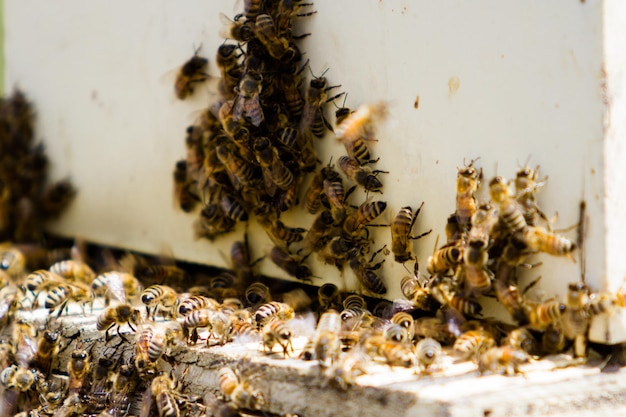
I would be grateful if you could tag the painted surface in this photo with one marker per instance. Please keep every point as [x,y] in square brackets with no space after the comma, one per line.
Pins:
[503,81]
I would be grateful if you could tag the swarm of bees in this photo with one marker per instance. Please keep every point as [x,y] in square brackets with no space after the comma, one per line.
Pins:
[252,154]
[26,200]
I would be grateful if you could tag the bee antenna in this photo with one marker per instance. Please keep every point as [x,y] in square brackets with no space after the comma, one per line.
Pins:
[196,50]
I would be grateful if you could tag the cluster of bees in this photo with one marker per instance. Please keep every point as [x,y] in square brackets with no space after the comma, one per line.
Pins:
[26,200]
[253,153]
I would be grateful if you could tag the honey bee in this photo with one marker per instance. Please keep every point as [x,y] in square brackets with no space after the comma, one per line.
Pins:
[326,345]
[239,391]
[522,338]
[192,72]
[240,260]
[510,213]
[118,316]
[541,240]
[160,298]
[428,353]
[328,297]
[467,183]
[47,348]
[504,359]
[473,343]
[13,262]
[275,172]
[277,332]
[363,176]
[526,185]
[228,64]
[239,29]
[258,293]
[363,216]
[541,315]
[272,310]
[443,291]
[277,47]
[406,321]
[20,378]
[313,120]
[320,232]
[196,302]
[212,223]
[393,353]
[241,173]
[164,391]
[511,298]
[290,263]
[358,128]
[445,258]
[477,276]
[60,296]
[553,339]
[78,368]
[117,285]
[401,227]
[312,200]
[365,272]
[575,320]
[414,291]
[247,102]
[233,207]
[397,333]
[73,270]
[149,345]
[183,194]
[42,280]
[343,373]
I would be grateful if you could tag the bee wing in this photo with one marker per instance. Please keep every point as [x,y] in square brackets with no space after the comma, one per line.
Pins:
[270,186]
[253,110]
[115,288]
[226,23]
[146,402]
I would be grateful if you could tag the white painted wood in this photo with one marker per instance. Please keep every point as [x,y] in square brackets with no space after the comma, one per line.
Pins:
[506,81]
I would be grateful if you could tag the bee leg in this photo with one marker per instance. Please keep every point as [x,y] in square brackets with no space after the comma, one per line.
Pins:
[148,312]
[131,327]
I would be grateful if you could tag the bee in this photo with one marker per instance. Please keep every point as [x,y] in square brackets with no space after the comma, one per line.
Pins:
[343,373]
[444,292]
[414,291]
[247,101]
[192,72]
[511,298]
[227,62]
[328,297]
[272,310]
[233,207]
[20,378]
[358,128]
[320,232]
[239,391]
[575,321]
[47,349]
[116,284]
[277,47]
[258,293]
[60,295]
[149,345]
[504,359]
[196,302]
[78,368]
[473,343]
[445,258]
[363,216]
[183,194]
[428,353]
[332,187]
[42,280]
[405,320]
[541,315]
[467,182]
[73,270]
[239,29]
[366,272]
[240,260]
[553,339]
[397,333]
[522,338]
[510,213]
[160,298]
[312,200]
[13,262]
[394,353]
[118,316]
[275,172]
[277,332]
[164,391]
[212,223]
[401,227]
[484,221]
[313,120]
[363,176]
[541,240]
[290,263]
[159,273]
[477,276]
[241,173]
[326,345]
[281,234]
[526,185]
